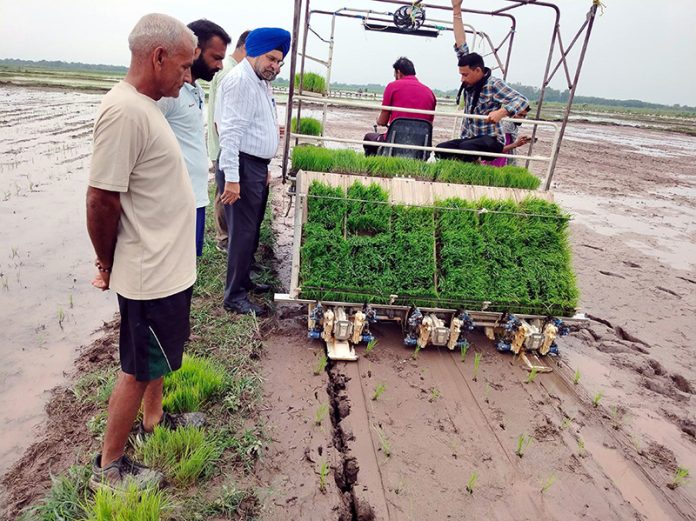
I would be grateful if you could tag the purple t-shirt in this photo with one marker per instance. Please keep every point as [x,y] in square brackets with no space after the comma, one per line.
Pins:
[410,93]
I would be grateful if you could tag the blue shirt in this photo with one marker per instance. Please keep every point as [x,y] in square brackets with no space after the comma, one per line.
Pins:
[185,115]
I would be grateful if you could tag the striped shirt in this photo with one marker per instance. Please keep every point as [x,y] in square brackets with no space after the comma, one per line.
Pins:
[213,138]
[495,94]
[246,118]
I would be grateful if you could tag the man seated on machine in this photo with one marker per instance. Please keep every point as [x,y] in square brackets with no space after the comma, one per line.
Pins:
[483,95]
[405,91]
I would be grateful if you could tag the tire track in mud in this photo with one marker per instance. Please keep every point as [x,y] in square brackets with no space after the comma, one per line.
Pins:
[442,427]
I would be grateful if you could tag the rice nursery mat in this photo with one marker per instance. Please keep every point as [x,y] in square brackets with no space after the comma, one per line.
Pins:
[359,244]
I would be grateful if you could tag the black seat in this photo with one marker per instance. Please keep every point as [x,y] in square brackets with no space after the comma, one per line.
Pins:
[409,131]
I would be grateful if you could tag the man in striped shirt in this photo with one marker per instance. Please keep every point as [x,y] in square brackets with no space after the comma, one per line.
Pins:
[482,95]
[247,122]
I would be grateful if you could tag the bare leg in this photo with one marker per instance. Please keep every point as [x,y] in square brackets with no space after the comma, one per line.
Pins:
[152,404]
[123,408]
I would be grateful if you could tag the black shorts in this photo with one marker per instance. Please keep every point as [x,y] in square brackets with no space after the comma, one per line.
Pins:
[153,334]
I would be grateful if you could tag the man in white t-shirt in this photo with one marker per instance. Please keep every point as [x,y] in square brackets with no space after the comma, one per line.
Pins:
[141,221]
[185,114]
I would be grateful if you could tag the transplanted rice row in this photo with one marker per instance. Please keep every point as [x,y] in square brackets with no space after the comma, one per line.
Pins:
[359,248]
[317,159]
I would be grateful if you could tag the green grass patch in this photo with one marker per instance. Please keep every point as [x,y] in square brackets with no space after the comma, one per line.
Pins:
[309,126]
[131,505]
[184,455]
[95,387]
[357,247]
[317,159]
[311,82]
[196,381]
[64,500]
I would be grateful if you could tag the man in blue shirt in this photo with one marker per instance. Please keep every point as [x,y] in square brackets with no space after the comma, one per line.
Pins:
[483,95]
[185,114]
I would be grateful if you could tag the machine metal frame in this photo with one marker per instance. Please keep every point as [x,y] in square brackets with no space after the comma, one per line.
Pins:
[502,53]
[344,323]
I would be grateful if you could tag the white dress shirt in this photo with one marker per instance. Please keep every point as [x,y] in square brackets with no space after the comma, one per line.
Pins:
[246,118]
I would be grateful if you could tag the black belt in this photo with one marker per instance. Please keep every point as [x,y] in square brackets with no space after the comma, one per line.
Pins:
[244,155]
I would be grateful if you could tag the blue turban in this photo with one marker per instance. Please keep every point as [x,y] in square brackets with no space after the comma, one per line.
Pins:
[266,39]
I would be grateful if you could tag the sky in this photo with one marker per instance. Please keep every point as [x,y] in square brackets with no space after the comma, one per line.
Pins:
[638,49]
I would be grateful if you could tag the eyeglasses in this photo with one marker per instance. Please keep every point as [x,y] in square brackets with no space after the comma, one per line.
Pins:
[274,60]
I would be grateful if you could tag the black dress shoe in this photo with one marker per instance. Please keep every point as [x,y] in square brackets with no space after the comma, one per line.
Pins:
[259,288]
[245,307]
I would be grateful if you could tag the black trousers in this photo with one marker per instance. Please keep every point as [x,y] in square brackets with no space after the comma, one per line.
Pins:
[244,219]
[373,136]
[481,143]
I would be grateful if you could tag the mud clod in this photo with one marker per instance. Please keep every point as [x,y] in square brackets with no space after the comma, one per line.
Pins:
[682,383]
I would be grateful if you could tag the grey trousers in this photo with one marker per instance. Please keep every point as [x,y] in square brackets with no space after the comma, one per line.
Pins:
[244,219]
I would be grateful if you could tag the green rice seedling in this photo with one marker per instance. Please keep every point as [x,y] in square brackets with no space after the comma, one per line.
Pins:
[523,442]
[379,390]
[61,316]
[308,126]
[184,454]
[14,252]
[463,349]
[597,398]
[318,159]
[581,446]
[416,352]
[434,394]
[576,377]
[311,82]
[65,498]
[532,375]
[681,476]
[197,381]
[567,422]
[321,413]
[477,362]
[370,347]
[129,505]
[70,301]
[471,484]
[486,392]
[320,366]
[383,441]
[323,474]
[548,483]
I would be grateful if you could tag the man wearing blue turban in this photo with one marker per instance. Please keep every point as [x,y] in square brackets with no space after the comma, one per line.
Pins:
[247,122]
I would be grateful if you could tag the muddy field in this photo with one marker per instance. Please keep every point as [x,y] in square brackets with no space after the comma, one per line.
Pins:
[410,453]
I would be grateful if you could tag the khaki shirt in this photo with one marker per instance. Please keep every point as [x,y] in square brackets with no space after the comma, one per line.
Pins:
[136,153]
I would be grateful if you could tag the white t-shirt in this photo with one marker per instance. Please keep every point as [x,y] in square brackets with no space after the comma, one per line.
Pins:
[136,153]
[185,115]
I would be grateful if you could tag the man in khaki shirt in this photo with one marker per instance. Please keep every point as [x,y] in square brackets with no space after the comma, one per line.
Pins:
[141,221]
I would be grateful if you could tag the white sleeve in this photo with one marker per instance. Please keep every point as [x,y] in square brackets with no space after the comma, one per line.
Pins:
[234,112]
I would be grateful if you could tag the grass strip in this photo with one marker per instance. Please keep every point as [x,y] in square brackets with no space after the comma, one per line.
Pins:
[65,499]
[318,159]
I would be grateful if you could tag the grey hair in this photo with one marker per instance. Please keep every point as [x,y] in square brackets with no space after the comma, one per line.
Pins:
[158,30]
